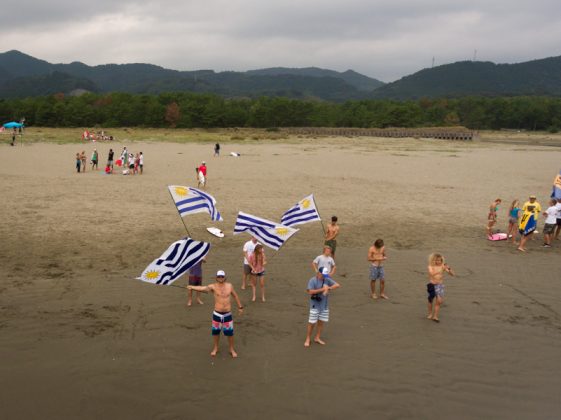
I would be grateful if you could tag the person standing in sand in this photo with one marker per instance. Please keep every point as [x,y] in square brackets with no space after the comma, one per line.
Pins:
[95,159]
[195,279]
[257,263]
[248,249]
[325,260]
[78,162]
[492,216]
[550,223]
[83,159]
[377,256]
[222,316]
[558,221]
[318,290]
[217,150]
[331,235]
[435,287]
[201,175]
[513,213]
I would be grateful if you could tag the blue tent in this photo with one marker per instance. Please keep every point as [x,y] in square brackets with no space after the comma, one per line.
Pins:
[13,125]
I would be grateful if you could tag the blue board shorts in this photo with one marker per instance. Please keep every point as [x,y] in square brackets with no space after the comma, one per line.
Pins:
[376,272]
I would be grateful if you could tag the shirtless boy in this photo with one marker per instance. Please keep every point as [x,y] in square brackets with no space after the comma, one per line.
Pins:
[222,315]
[435,287]
[331,235]
[377,256]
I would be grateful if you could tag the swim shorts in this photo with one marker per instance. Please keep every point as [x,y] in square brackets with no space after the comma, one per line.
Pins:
[316,314]
[549,228]
[439,290]
[521,231]
[558,222]
[513,220]
[222,321]
[331,243]
[246,269]
[376,272]
[261,274]
[431,292]
[195,280]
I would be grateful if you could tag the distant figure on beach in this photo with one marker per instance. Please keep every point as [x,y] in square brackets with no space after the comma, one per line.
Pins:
[141,163]
[110,159]
[201,172]
[14,137]
[513,213]
[136,163]
[377,256]
[550,223]
[125,158]
[131,163]
[331,235]
[195,279]
[257,263]
[222,316]
[435,287]
[318,289]
[217,150]
[324,260]
[492,216]
[248,249]
[83,159]
[78,162]
[95,159]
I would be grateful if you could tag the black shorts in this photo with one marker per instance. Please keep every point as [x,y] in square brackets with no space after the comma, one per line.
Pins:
[548,228]
[521,231]
[558,222]
[195,280]
[431,292]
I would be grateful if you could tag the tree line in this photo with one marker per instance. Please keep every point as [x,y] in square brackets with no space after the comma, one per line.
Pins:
[191,110]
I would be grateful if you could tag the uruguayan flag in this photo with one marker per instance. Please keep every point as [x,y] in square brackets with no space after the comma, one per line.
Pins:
[302,212]
[191,200]
[269,233]
[178,258]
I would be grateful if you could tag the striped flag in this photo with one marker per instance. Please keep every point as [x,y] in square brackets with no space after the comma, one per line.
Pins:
[178,258]
[269,233]
[556,191]
[191,200]
[302,212]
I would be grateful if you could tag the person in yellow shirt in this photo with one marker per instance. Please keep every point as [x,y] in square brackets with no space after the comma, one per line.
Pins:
[530,207]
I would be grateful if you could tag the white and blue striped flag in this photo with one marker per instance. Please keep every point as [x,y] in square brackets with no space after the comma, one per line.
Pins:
[191,200]
[178,258]
[272,234]
[302,212]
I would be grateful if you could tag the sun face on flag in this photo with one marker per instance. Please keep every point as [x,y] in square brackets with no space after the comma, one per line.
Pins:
[281,231]
[152,275]
[181,191]
[305,203]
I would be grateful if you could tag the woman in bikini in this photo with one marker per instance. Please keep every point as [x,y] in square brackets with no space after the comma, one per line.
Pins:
[492,217]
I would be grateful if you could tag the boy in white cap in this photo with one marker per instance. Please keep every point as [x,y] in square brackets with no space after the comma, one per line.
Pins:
[222,316]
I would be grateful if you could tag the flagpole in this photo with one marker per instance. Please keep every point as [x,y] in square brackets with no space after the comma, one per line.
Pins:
[183,221]
[320,219]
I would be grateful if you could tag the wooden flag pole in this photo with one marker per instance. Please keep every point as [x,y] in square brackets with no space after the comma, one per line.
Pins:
[183,221]
[320,219]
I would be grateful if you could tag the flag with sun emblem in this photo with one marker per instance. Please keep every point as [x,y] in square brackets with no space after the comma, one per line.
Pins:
[272,234]
[302,212]
[178,258]
[191,200]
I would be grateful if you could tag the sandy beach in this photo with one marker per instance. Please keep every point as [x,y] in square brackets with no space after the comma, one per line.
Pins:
[81,339]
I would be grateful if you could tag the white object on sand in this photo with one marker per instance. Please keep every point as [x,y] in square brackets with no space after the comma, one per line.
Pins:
[235,154]
[215,231]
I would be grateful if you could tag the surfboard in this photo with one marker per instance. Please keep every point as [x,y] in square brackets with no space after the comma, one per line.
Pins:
[215,231]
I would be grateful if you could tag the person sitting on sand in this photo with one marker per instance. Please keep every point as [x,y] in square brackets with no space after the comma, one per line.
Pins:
[222,316]
[492,216]
[318,289]
[195,279]
[435,287]
[513,212]
[377,256]
[550,223]
[257,263]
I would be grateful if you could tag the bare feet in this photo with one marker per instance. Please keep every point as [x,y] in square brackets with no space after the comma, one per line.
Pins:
[374,296]
[307,343]
[263,299]
[200,302]
[384,297]
[233,353]
[243,286]
[253,299]
[189,303]
[213,352]
[319,341]
[429,316]
[521,249]
[436,320]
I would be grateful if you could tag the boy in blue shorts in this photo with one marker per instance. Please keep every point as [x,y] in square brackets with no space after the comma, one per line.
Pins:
[377,256]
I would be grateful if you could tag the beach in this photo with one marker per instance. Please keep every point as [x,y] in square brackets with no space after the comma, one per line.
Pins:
[81,338]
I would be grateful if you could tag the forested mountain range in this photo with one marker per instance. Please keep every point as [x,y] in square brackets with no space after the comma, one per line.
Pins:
[22,75]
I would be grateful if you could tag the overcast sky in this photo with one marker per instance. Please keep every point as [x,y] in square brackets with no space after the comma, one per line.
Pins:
[385,39]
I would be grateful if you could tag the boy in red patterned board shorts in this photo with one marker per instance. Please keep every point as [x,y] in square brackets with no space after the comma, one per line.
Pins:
[222,315]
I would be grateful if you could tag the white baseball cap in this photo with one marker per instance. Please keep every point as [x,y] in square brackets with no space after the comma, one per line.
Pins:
[325,271]
[220,273]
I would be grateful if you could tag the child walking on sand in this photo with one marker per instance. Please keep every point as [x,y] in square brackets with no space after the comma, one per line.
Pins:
[435,287]
[377,256]
[513,212]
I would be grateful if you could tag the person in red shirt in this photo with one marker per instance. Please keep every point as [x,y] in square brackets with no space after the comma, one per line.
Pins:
[201,172]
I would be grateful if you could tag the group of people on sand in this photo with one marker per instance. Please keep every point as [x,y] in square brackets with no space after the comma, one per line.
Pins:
[318,288]
[81,161]
[132,163]
[518,216]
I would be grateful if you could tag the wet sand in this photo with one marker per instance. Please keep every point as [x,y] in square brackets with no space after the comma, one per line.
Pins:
[81,339]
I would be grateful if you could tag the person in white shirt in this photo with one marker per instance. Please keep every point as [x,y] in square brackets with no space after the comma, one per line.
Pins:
[558,229]
[248,249]
[324,260]
[550,223]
